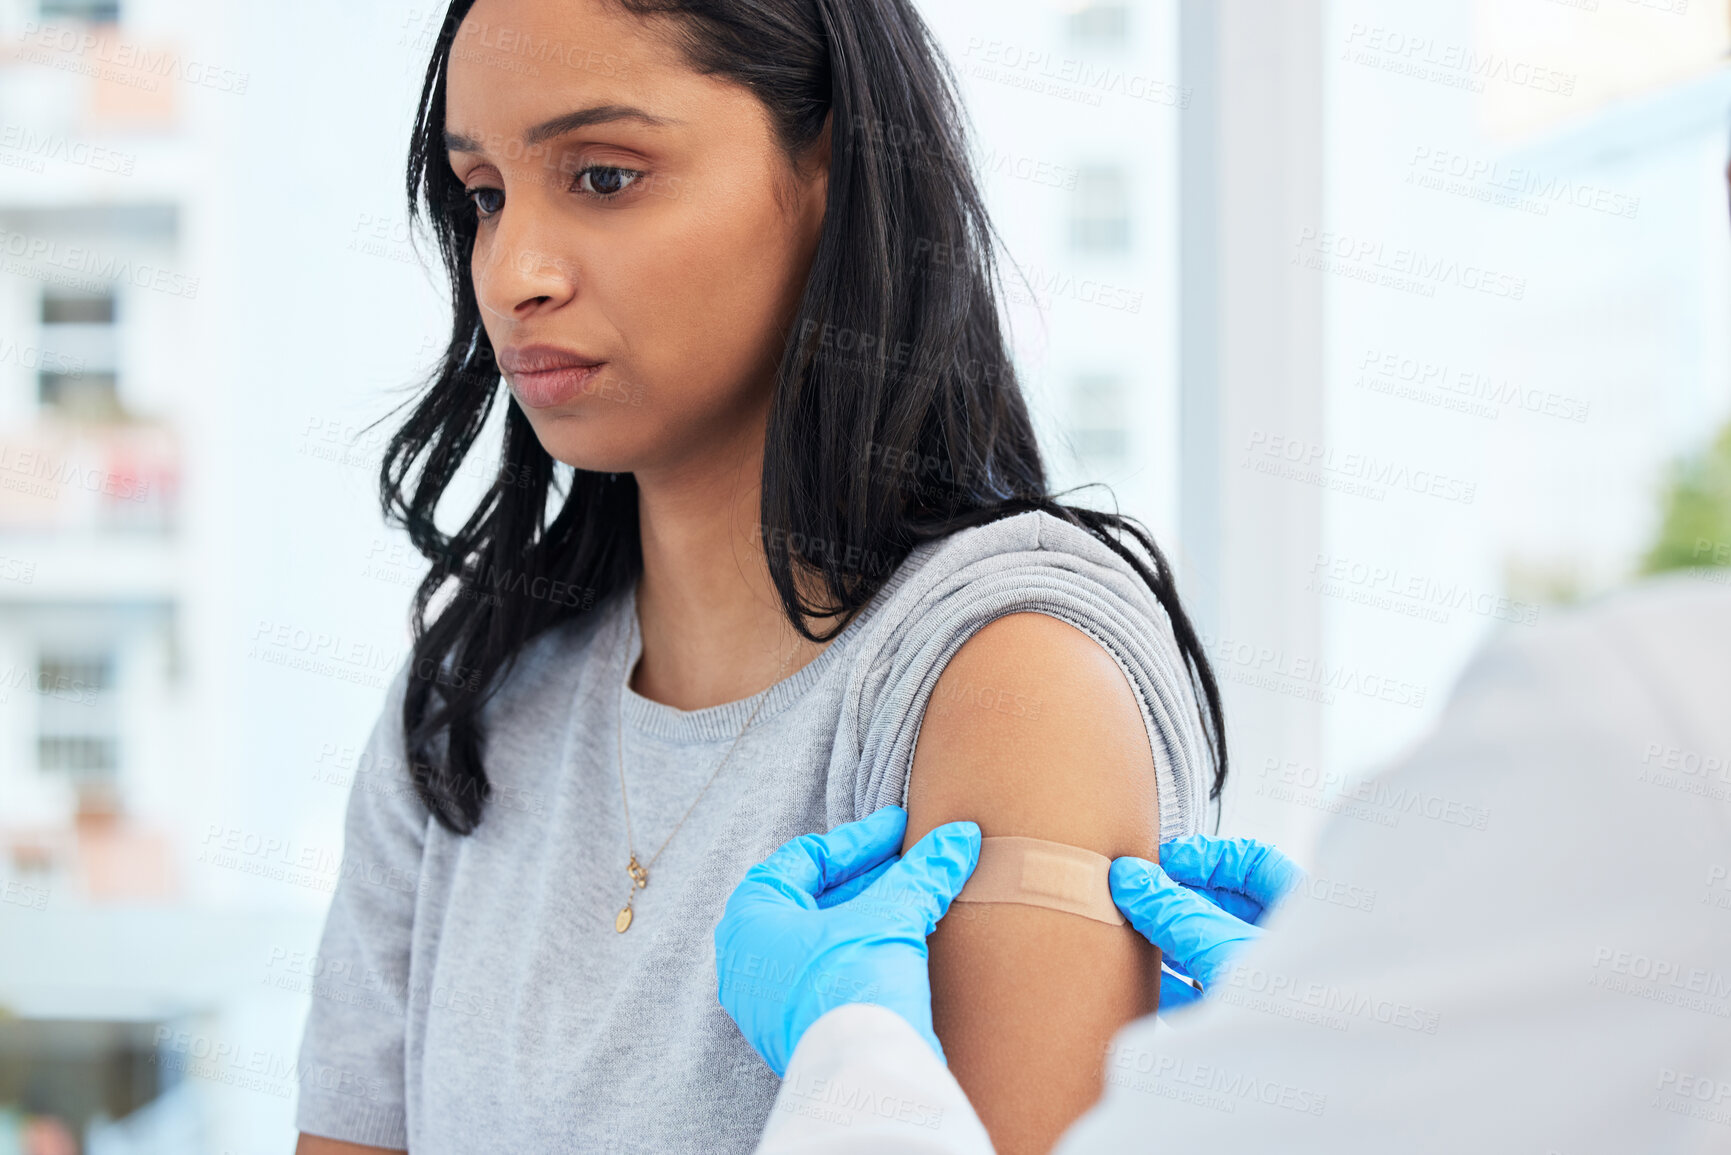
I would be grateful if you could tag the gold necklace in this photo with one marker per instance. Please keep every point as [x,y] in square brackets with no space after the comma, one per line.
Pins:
[640,873]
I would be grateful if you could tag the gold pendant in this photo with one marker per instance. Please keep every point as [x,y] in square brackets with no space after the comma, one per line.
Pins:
[639,876]
[623,921]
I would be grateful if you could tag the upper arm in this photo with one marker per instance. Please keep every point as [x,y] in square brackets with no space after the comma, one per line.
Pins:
[352,1047]
[1033,730]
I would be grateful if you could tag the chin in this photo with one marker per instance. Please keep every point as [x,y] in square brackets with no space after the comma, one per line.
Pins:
[572,439]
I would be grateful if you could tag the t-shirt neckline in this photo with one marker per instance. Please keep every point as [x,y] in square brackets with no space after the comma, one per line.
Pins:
[720,722]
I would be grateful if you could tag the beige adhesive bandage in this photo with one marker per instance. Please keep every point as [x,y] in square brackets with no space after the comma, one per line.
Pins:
[1035,872]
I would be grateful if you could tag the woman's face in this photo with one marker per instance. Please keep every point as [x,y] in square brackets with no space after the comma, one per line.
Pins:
[658,231]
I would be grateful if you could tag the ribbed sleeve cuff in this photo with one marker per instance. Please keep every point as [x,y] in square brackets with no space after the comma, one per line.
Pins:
[352,1119]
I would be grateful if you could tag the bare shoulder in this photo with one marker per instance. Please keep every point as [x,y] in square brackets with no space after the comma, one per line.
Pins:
[1034,730]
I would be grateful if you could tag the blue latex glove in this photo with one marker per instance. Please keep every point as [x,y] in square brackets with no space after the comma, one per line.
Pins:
[1201,905]
[838,918]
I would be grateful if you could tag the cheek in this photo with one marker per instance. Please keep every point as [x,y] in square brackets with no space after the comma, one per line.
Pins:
[703,306]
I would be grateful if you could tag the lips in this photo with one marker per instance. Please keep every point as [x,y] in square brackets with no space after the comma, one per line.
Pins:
[546,375]
[543,358]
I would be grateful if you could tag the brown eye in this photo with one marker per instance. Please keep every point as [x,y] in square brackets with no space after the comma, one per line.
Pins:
[602,181]
[474,196]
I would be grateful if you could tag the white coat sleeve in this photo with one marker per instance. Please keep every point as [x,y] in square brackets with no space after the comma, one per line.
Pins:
[863,1082]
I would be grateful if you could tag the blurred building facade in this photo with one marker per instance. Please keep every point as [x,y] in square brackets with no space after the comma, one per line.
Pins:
[103,152]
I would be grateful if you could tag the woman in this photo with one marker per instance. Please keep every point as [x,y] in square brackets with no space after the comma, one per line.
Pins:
[802,562]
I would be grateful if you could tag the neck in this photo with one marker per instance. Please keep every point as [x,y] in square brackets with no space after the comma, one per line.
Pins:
[713,626]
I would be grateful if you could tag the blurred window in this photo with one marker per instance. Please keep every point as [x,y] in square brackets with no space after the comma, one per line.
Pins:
[1100,25]
[77,731]
[1100,423]
[1100,210]
[95,11]
[80,371]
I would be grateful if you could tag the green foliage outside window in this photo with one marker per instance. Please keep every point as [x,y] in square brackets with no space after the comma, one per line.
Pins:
[1696,530]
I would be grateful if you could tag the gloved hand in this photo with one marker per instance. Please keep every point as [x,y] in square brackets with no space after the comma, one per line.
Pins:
[838,918]
[1201,905]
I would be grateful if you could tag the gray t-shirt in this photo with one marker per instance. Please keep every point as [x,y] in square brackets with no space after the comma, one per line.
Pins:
[472,993]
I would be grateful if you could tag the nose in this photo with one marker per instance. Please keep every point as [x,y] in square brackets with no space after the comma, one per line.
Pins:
[518,268]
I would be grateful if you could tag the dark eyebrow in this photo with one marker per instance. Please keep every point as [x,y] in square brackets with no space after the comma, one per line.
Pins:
[570,122]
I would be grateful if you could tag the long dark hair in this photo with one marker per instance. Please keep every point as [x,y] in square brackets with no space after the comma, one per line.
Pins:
[897,417]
